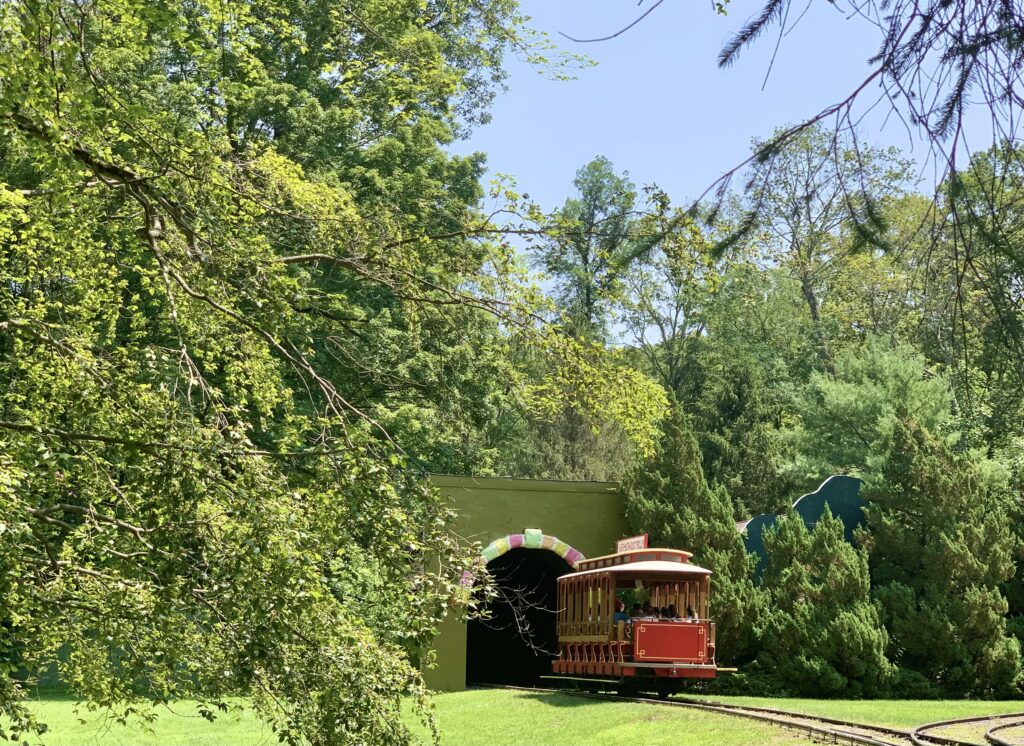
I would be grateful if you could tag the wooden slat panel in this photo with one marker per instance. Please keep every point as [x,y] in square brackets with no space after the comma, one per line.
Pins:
[570,615]
[604,606]
[563,613]
[566,600]
[608,612]
[561,593]
[581,606]
[581,629]
[588,604]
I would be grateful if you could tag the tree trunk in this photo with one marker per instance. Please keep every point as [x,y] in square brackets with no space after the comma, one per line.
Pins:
[819,330]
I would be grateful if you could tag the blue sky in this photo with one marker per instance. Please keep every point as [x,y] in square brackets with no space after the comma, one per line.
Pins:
[657,104]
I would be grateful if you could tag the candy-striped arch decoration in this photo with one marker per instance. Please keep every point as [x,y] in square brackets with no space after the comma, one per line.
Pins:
[532,538]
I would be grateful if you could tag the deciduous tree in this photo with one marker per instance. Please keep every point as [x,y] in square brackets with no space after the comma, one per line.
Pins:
[592,247]
[234,251]
[804,198]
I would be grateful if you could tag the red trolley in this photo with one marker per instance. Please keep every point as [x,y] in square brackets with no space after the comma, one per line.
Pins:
[669,641]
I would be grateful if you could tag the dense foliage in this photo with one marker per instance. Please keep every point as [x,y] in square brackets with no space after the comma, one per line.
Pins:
[941,546]
[799,347]
[246,296]
[669,498]
[821,635]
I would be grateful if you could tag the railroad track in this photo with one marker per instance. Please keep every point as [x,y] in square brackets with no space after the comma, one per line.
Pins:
[924,735]
[831,730]
[994,734]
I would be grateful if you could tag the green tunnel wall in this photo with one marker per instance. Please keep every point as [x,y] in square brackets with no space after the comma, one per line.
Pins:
[588,516]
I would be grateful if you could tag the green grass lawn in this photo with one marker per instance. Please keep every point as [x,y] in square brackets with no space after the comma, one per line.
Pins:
[177,726]
[508,718]
[485,717]
[893,713]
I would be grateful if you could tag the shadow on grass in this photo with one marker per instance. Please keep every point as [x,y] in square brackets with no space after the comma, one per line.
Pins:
[561,700]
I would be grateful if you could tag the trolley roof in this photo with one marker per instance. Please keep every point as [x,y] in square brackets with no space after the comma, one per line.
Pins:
[653,561]
[648,568]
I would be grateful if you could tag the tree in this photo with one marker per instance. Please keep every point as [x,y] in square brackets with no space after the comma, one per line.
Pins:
[801,205]
[220,228]
[892,292]
[668,498]
[940,547]
[667,290]
[680,305]
[586,250]
[933,96]
[555,440]
[847,420]
[822,634]
[738,421]
[980,240]
[592,247]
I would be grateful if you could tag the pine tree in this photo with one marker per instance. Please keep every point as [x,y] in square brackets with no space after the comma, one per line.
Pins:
[668,498]
[847,418]
[822,636]
[941,546]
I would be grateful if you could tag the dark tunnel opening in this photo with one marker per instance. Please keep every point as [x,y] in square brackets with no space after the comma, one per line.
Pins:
[516,644]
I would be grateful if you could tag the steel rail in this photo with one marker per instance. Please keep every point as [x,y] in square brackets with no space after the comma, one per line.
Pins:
[898,732]
[991,737]
[919,736]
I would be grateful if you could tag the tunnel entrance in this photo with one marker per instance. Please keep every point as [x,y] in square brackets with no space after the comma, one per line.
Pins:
[516,645]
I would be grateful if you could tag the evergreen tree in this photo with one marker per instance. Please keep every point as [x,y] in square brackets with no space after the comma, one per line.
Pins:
[823,635]
[848,418]
[737,419]
[941,546]
[1012,458]
[669,498]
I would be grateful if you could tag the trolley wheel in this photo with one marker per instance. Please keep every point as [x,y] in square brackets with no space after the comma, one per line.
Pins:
[628,688]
